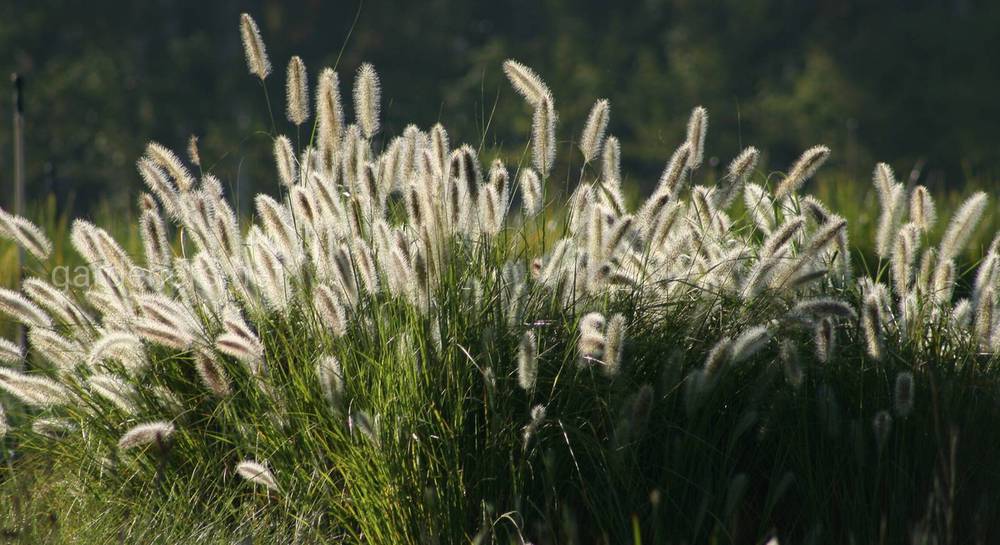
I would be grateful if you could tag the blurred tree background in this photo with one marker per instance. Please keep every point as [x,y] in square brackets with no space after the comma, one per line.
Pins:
[896,80]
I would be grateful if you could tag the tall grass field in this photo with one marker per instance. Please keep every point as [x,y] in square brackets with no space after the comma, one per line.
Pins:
[416,341]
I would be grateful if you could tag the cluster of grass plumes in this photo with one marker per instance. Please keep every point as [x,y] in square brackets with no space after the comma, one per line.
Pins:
[380,357]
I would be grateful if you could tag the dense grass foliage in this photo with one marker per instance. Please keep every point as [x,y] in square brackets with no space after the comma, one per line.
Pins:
[406,345]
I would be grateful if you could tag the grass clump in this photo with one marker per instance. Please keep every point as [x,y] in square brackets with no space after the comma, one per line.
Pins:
[391,353]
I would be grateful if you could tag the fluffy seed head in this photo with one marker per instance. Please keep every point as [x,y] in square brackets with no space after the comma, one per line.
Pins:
[253,46]
[330,115]
[331,380]
[750,342]
[525,81]
[543,135]
[297,91]
[697,127]
[614,347]
[257,474]
[922,212]
[527,362]
[367,100]
[143,434]
[21,309]
[593,132]
[531,192]
[804,168]
[737,174]
[10,353]
[212,374]
[284,158]
[962,226]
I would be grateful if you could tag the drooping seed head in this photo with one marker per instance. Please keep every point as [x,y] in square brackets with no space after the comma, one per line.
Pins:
[143,434]
[257,474]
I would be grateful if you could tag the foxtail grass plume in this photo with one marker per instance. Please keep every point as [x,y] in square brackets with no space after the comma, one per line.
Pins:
[871,326]
[737,174]
[253,47]
[697,127]
[192,150]
[21,309]
[963,225]
[803,169]
[331,380]
[750,342]
[297,92]
[922,211]
[537,419]
[593,132]
[531,192]
[614,345]
[824,339]
[284,158]
[527,362]
[903,394]
[211,373]
[151,432]
[367,97]
[526,82]
[329,116]
[25,234]
[171,163]
[33,390]
[543,135]
[10,353]
[257,474]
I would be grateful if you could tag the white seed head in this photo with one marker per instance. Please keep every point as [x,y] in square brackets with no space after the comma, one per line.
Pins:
[257,474]
[696,129]
[527,362]
[367,96]
[297,91]
[525,81]
[543,135]
[593,132]
[253,46]
[803,169]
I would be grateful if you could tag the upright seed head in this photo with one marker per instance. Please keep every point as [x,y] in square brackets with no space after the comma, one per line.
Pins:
[871,325]
[297,91]
[531,192]
[284,158]
[807,165]
[614,347]
[367,100]
[192,150]
[527,362]
[593,132]
[922,212]
[543,135]
[737,174]
[253,46]
[212,375]
[825,339]
[697,127]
